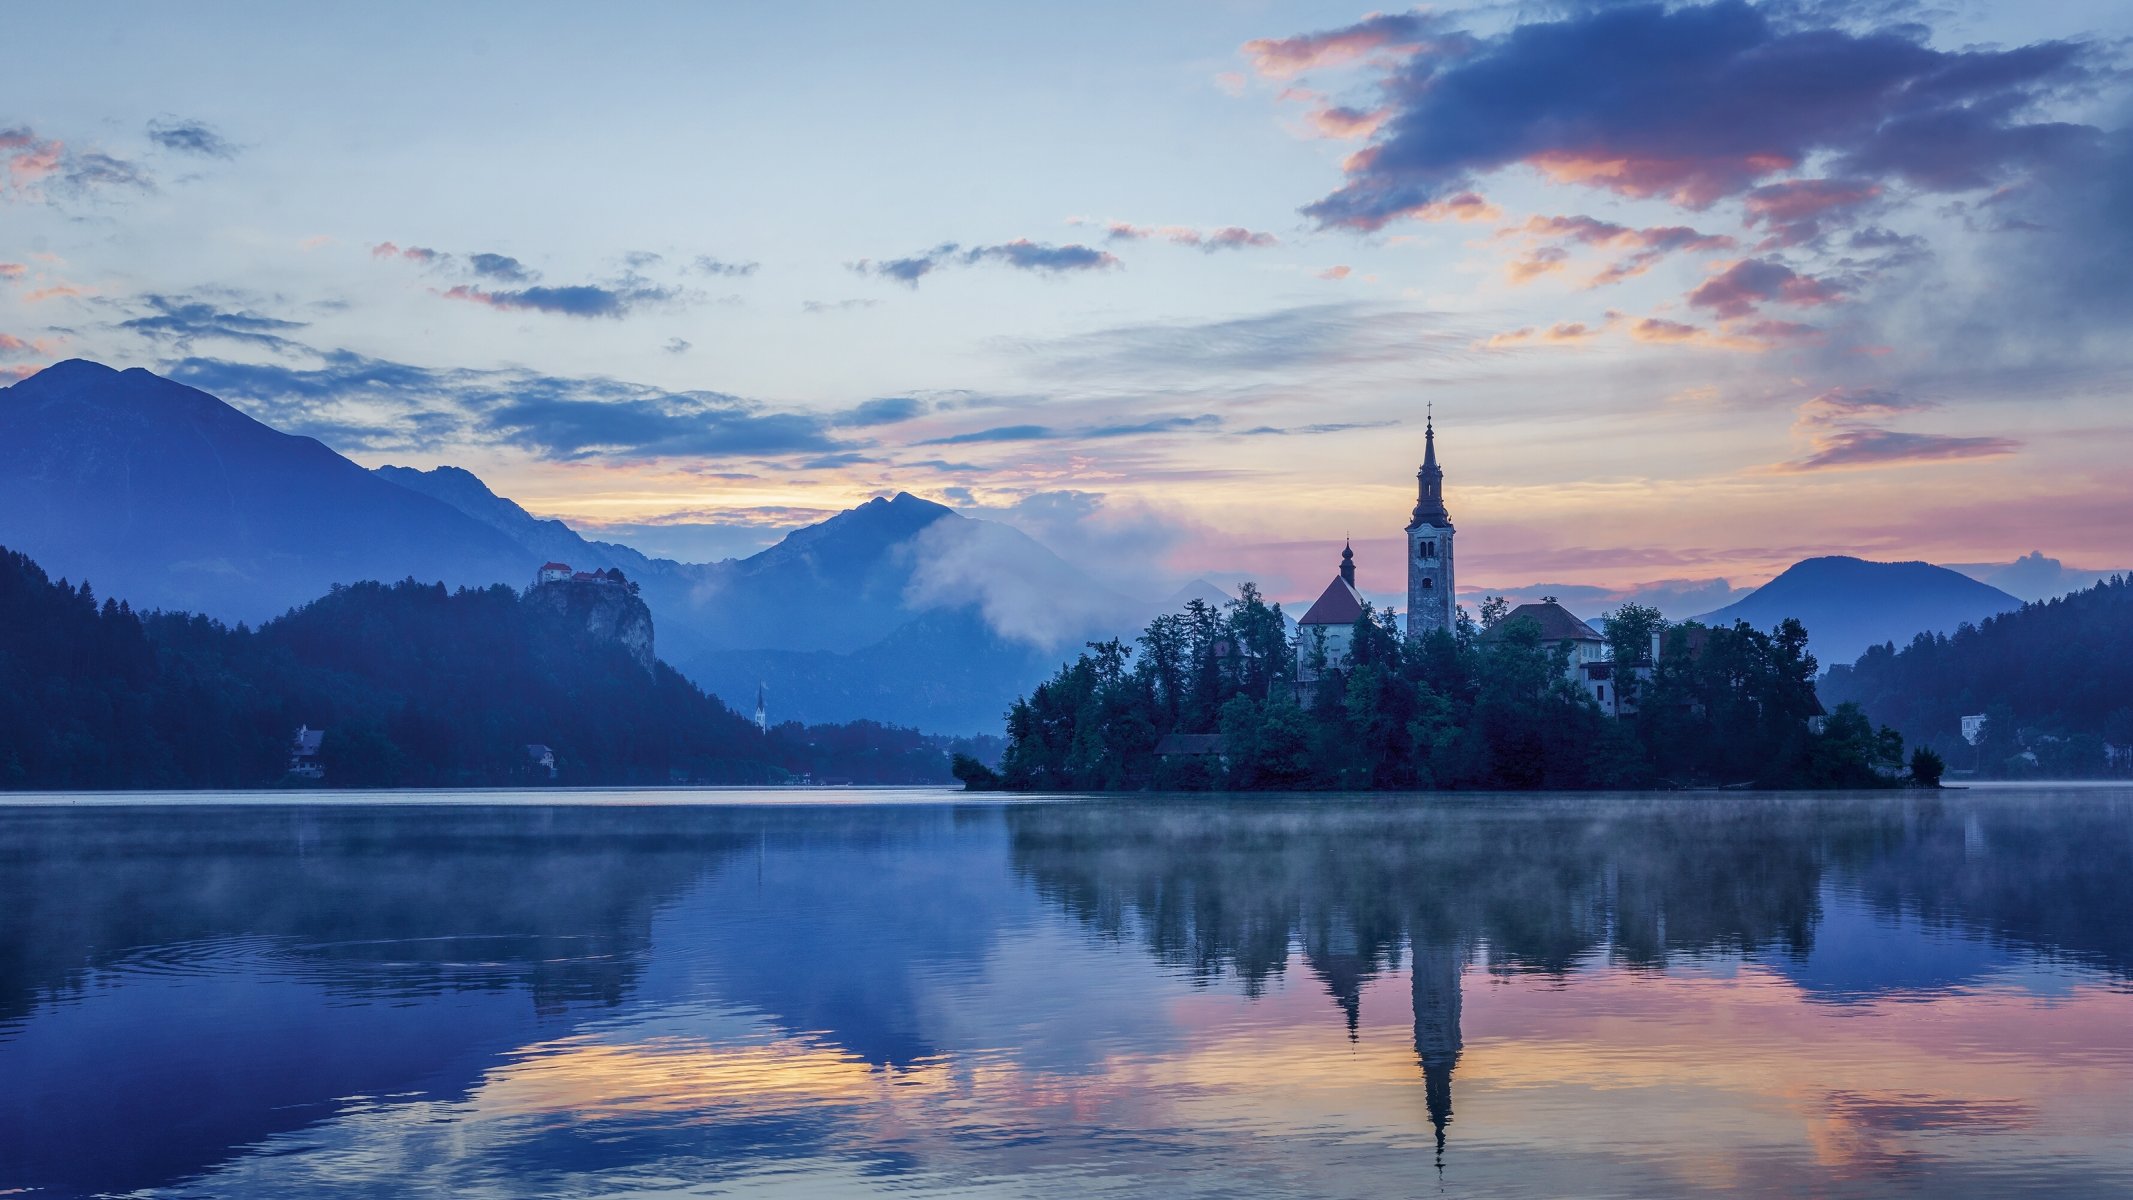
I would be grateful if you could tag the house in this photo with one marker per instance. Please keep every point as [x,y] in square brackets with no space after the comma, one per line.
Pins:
[554,572]
[543,759]
[1590,664]
[304,760]
[1210,748]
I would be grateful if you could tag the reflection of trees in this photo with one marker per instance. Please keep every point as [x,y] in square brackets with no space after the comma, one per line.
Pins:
[404,898]
[1225,886]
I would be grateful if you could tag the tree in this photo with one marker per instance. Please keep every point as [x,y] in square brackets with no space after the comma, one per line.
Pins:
[1926,768]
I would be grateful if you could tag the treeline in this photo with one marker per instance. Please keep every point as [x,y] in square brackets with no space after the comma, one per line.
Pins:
[2054,680]
[1479,707]
[414,686]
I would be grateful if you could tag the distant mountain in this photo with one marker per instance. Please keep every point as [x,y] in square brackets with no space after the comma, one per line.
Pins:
[169,498]
[1848,604]
[2034,576]
[548,540]
[2061,668]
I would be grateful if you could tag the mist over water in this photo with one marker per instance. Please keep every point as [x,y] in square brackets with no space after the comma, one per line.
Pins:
[639,993]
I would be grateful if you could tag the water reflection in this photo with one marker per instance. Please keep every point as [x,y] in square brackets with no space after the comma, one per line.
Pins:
[1622,995]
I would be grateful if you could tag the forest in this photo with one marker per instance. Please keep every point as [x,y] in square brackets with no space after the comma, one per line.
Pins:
[2053,679]
[415,687]
[1458,709]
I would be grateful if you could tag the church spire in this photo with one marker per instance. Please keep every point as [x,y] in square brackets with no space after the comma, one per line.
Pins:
[1429,481]
[1348,562]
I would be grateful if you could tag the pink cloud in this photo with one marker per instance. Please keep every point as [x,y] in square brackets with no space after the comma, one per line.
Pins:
[1563,333]
[20,372]
[53,292]
[1346,123]
[1285,58]
[1337,272]
[1795,209]
[28,159]
[10,270]
[1844,428]
[1739,287]
[420,254]
[1694,183]
[1642,247]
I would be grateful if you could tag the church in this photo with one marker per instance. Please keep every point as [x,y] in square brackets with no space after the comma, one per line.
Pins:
[1432,596]
[1433,605]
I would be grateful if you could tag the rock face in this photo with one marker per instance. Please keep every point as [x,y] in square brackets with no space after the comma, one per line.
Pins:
[607,612]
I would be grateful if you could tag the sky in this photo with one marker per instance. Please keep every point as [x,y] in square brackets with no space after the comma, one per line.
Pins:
[1693,290]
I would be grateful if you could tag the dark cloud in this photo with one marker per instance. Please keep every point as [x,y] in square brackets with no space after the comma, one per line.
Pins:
[574,300]
[1741,287]
[407,407]
[1327,427]
[1002,433]
[826,306]
[1021,254]
[887,410]
[678,346]
[418,254]
[182,320]
[1696,103]
[707,265]
[190,137]
[1798,211]
[499,266]
[1227,237]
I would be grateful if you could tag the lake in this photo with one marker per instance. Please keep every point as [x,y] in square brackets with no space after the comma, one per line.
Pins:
[806,994]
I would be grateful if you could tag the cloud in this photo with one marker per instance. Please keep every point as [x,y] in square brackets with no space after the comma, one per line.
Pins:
[707,265]
[1563,333]
[1285,58]
[354,401]
[1305,337]
[10,270]
[1738,288]
[1021,254]
[1638,250]
[1753,338]
[190,137]
[828,306]
[1046,433]
[1227,237]
[499,266]
[678,346]
[886,410]
[35,168]
[1336,272]
[420,254]
[1348,123]
[1795,211]
[1844,428]
[575,300]
[1696,103]
[182,320]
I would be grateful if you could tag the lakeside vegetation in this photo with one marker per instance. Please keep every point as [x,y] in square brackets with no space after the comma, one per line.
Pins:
[415,686]
[2053,679]
[1724,706]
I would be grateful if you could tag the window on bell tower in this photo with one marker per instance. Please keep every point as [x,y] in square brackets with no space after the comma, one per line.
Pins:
[1425,549]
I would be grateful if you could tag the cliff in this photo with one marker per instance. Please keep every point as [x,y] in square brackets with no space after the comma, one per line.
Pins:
[607,612]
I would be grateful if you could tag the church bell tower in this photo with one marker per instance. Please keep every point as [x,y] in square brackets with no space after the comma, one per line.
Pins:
[1431,602]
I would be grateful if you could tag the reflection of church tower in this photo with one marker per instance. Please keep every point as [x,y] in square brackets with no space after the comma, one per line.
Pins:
[1431,602]
[1436,970]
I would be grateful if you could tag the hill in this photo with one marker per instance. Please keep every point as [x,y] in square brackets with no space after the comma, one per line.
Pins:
[167,496]
[412,684]
[1851,603]
[2048,674]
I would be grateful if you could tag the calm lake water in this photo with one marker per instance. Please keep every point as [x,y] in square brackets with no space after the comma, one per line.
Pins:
[645,994]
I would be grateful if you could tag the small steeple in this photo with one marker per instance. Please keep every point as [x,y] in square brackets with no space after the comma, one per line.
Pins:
[1348,562]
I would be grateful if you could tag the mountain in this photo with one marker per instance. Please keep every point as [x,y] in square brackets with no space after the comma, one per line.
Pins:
[1848,604]
[2034,576]
[549,540]
[2057,673]
[166,496]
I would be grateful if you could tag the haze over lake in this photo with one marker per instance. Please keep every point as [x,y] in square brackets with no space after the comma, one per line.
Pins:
[646,994]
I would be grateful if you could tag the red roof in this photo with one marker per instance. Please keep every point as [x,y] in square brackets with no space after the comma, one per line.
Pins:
[555,566]
[1556,623]
[1339,604]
